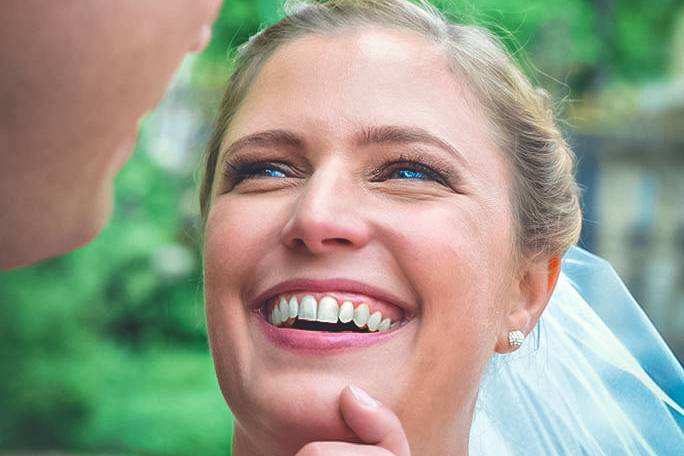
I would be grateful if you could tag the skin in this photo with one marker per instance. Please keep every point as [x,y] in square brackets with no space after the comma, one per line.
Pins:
[331,219]
[76,77]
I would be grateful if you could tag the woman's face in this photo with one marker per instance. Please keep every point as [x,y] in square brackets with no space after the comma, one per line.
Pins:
[358,167]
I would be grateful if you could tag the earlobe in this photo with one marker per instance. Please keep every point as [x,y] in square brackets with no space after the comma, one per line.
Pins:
[534,291]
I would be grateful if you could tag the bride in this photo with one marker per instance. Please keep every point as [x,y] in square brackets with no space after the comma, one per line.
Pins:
[386,203]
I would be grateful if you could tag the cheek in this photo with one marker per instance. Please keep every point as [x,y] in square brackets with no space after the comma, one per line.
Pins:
[460,270]
[233,246]
[457,253]
[241,235]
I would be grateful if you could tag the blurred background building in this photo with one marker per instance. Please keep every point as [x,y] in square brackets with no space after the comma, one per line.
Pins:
[629,138]
[104,350]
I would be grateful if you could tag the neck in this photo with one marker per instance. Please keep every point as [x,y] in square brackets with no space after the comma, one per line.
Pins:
[242,446]
[446,435]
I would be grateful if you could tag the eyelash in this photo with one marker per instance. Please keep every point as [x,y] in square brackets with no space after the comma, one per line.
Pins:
[428,170]
[238,170]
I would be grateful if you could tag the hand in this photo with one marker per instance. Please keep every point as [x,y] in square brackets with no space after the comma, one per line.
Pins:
[373,423]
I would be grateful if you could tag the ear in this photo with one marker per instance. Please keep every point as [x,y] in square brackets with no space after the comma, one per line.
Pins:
[531,294]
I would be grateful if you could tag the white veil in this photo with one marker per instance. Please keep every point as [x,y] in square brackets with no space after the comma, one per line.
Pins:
[593,378]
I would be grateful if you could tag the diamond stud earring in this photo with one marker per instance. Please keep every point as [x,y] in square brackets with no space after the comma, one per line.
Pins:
[515,338]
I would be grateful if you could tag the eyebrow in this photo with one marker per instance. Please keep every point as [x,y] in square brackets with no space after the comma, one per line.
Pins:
[266,138]
[387,134]
[391,134]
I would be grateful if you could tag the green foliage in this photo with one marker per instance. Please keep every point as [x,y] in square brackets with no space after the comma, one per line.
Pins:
[101,350]
[642,31]
[570,40]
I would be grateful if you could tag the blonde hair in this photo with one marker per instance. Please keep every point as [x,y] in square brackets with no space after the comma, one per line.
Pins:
[545,197]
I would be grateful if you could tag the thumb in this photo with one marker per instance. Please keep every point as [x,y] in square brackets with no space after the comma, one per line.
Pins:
[372,422]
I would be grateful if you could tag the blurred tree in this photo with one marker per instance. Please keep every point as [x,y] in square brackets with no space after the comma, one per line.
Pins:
[575,42]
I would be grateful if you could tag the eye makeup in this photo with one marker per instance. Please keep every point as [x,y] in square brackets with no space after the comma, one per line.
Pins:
[430,169]
[409,164]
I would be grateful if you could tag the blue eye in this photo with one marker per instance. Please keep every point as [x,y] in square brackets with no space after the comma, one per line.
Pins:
[405,173]
[410,171]
[237,170]
[271,172]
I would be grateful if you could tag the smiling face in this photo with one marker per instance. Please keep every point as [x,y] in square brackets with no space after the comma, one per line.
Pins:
[359,167]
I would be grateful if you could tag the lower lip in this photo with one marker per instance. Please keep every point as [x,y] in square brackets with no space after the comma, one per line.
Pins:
[320,342]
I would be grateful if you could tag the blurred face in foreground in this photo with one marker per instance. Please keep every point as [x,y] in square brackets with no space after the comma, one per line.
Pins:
[358,173]
[76,76]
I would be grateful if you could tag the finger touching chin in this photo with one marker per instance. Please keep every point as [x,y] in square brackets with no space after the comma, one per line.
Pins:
[302,414]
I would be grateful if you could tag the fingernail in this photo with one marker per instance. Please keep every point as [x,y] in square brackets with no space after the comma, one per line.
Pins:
[363,397]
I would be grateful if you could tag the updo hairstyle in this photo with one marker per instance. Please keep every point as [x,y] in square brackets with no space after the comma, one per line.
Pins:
[545,196]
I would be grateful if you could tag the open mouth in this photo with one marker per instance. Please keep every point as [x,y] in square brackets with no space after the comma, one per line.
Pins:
[330,313]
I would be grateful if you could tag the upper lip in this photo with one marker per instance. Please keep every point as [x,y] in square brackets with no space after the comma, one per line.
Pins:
[336,284]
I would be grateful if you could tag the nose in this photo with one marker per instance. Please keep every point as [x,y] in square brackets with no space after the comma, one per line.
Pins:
[326,217]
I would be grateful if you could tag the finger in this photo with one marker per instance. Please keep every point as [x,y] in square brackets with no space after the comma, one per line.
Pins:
[372,422]
[341,449]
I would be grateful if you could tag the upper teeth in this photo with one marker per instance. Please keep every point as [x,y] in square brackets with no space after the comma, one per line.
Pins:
[328,311]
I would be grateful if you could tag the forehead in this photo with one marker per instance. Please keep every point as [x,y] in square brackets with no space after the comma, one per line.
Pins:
[333,85]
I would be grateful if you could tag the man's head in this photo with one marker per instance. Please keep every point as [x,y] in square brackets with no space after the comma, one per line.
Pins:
[76,77]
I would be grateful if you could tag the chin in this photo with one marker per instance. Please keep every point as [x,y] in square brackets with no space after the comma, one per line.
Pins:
[93,216]
[280,390]
[291,414]
[97,216]
[76,228]
[281,420]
